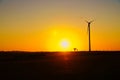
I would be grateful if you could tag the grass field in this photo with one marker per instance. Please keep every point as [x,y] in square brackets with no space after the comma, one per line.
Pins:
[95,65]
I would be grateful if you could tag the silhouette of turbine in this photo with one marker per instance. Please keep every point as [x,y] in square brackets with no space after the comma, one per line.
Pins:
[89,36]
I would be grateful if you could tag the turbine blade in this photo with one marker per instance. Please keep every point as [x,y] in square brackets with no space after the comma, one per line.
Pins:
[86,21]
[91,21]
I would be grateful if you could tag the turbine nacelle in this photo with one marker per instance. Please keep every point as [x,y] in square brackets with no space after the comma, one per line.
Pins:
[89,22]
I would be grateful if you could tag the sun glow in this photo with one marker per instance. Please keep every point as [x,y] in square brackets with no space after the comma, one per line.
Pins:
[63,39]
[65,44]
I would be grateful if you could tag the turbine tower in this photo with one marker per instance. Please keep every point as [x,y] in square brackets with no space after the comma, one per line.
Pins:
[89,34]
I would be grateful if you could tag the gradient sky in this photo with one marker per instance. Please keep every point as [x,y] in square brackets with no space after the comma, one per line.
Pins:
[39,25]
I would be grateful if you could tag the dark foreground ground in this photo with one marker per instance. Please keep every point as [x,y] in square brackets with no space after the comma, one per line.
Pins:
[60,66]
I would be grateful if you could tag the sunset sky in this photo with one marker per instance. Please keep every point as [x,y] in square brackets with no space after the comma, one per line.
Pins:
[58,25]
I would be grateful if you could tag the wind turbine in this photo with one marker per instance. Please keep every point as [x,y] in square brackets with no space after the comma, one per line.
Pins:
[89,32]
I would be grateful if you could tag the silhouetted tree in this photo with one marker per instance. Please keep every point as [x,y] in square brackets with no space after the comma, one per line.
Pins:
[75,49]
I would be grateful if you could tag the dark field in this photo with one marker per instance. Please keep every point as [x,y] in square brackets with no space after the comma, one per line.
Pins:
[60,65]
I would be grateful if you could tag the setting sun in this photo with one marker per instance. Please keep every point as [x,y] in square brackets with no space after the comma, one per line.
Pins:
[65,44]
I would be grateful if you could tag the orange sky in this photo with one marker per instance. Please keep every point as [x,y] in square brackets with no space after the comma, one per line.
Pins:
[44,25]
